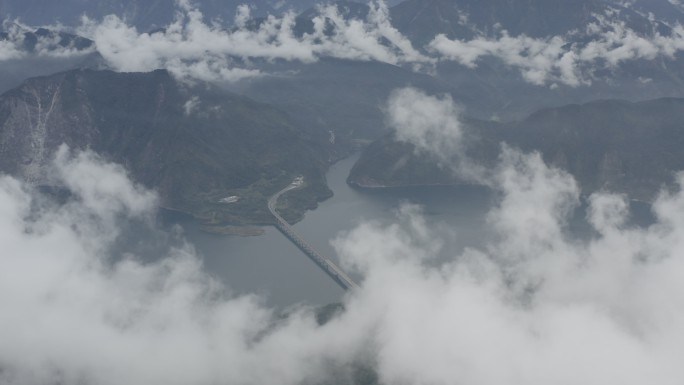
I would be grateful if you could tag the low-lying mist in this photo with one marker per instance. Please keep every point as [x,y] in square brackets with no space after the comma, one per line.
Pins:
[535,305]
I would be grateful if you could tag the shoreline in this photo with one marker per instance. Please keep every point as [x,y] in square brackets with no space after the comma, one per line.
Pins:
[381,186]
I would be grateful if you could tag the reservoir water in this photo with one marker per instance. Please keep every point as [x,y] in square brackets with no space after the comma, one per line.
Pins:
[270,265]
[273,267]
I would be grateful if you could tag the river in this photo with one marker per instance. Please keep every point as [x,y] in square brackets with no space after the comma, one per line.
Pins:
[271,266]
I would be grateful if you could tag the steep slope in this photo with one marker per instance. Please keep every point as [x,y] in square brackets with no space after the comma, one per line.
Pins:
[671,11]
[619,146]
[194,146]
[144,14]
[519,71]
[614,145]
[341,96]
[49,40]
[26,53]
[422,20]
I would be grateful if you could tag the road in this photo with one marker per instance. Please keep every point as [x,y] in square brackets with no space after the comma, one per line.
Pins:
[325,263]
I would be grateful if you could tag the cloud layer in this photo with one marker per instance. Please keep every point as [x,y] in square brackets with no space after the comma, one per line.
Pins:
[15,44]
[192,47]
[196,48]
[570,60]
[77,311]
[536,305]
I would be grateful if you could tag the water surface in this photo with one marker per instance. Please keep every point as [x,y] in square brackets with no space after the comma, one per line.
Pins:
[273,267]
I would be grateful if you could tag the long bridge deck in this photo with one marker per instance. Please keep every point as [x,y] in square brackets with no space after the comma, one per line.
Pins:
[325,263]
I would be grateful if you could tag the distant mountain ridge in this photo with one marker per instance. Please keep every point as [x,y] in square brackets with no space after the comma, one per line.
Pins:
[144,14]
[30,39]
[195,148]
[332,105]
[422,20]
[612,145]
[495,87]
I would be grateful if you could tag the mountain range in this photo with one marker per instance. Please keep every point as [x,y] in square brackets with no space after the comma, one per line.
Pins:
[194,146]
[422,20]
[145,15]
[608,145]
[198,142]
[497,84]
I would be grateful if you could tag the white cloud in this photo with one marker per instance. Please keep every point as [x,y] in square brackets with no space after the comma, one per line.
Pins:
[534,306]
[195,48]
[11,47]
[359,39]
[74,312]
[102,188]
[192,48]
[242,16]
[433,125]
[561,59]
[191,105]
[563,311]
[47,46]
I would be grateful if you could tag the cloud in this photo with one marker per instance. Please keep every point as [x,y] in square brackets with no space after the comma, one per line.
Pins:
[16,45]
[11,47]
[563,59]
[75,310]
[365,39]
[193,48]
[433,125]
[429,122]
[535,305]
[548,310]
[540,60]
[191,105]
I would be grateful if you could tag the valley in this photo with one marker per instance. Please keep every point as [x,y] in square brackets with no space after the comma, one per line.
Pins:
[370,192]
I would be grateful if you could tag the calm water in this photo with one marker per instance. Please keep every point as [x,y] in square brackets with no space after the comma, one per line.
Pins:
[271,266]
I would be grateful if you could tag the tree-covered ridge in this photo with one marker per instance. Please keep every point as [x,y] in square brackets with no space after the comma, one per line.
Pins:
[195,146]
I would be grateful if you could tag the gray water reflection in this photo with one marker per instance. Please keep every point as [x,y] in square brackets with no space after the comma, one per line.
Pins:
[459,211]
[271,266]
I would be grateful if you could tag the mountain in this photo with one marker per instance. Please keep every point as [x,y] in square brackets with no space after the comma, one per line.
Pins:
[497,78]
[48,39]
[347,9]
[344,97]
[194,146]
[422,20]
[671,11]
[27,53]
[613,145]
[144,14]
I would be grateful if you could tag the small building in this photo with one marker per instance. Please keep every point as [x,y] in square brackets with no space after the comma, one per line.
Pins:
[230,199]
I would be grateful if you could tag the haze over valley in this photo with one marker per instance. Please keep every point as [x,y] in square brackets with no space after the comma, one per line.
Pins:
[299,192]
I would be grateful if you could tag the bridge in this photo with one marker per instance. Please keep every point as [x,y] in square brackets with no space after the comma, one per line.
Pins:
[325,263]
